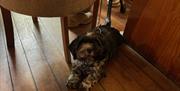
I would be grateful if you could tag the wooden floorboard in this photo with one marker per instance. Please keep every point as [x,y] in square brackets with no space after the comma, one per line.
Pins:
[137,75]
[41,71]
[22,78]
[125,80]
[148,69]
[53,56]
[52,28]
[110,83]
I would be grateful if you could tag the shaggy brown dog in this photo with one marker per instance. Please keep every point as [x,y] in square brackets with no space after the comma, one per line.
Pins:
[91,52]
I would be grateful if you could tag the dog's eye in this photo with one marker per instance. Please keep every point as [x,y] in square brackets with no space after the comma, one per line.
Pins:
[89,50]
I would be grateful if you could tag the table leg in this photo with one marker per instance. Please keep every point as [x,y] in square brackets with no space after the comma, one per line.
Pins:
[64,26]
[95,13]
[8,26]
[35,19]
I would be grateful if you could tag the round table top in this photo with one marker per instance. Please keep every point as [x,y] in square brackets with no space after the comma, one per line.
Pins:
[49,8]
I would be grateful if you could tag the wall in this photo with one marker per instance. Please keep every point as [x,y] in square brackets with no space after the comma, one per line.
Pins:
[153,30]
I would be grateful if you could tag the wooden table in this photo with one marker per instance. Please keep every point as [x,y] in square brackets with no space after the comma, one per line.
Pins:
[45,8]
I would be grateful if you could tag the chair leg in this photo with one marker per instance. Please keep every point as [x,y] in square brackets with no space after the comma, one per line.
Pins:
[8,26]
[35,19]
[65,36]
[95,13]
[123,6]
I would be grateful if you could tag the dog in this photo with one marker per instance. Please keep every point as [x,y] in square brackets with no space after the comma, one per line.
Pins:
[91,52]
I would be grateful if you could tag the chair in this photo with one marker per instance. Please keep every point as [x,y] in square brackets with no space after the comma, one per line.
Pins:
[46,8]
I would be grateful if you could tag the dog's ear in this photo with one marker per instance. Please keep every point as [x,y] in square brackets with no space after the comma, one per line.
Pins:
[100,41]
[74,46]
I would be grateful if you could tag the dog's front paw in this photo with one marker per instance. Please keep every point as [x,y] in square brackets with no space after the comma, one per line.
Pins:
[84,89]
[86,85]
[72,85]
[73,82]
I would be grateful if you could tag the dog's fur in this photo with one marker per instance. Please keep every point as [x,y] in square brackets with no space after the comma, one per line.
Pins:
[91,52]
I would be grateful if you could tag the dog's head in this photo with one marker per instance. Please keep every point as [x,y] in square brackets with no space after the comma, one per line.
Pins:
[87,47]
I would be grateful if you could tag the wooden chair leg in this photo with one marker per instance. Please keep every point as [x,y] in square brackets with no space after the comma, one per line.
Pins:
[95,13]
[65,36]
[8,26]
[35,19]
[36,23]
[123,6]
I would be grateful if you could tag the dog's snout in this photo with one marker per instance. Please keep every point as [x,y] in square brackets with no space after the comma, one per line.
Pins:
[89,51]
[84,54]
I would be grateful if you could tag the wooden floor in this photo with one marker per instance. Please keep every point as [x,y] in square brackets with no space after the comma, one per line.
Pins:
[118,19]
[37,62]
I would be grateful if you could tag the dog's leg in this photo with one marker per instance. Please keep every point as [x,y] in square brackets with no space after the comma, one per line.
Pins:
[92,78]
[75,77]
[73,81]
